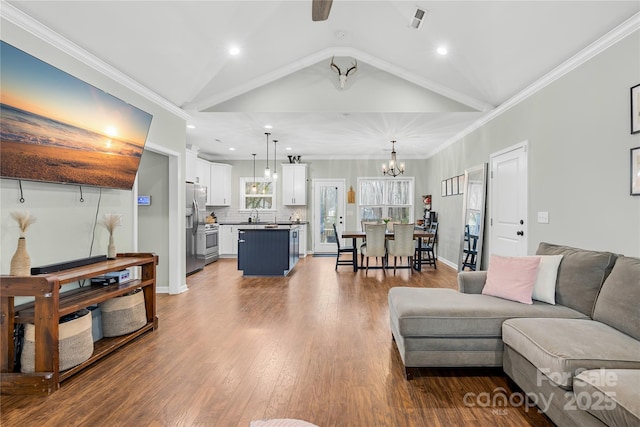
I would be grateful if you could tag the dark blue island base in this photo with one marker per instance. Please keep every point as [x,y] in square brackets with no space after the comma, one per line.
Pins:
[268,251]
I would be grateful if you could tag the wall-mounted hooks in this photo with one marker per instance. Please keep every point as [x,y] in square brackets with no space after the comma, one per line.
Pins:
[21,193]
[81,197]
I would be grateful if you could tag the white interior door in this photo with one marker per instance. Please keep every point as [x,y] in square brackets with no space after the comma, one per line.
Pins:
[508,201]
[328,209]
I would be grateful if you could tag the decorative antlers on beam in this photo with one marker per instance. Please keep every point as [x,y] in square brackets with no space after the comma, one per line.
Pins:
[341,76]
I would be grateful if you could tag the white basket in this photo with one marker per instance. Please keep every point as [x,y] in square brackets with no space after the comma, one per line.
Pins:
[123,315]
[75,342]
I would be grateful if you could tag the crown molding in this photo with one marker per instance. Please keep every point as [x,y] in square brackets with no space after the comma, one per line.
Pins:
[39,30]
[325,54]
[620,32]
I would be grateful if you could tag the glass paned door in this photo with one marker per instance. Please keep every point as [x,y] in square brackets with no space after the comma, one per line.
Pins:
[328,207]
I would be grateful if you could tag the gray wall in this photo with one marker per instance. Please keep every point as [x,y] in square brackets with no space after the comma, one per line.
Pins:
[153,180]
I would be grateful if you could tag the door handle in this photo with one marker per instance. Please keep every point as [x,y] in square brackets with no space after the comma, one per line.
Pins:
[520,233]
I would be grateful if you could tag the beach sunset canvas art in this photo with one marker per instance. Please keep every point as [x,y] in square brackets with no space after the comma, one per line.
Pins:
[55,127]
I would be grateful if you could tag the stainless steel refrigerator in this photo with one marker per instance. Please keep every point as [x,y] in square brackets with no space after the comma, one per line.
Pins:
[196,199]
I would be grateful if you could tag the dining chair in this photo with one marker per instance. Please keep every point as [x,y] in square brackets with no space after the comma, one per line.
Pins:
[402,244]
[343,250]
[426,251]
[376,243]
[470,250]
[364,224]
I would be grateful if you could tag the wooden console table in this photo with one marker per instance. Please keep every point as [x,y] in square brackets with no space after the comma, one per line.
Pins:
[50,304]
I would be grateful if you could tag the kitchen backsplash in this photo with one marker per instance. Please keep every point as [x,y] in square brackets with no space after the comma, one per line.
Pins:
[229,214]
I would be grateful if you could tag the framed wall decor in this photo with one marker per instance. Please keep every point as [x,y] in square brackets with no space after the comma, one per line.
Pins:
[635,171]
[443,188]
[635,109]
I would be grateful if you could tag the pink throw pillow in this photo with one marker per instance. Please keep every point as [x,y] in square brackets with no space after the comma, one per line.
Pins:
[511,278]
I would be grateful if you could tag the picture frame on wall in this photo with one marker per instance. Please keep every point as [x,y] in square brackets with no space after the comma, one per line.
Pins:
[454,183]
[443,188]
[449,187]
[635,171]
[460,184]
[635,109]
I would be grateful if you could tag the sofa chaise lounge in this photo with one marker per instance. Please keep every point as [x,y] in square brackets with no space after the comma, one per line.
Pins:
[586,345]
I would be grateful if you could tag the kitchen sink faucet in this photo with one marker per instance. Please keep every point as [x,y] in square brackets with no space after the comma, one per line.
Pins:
[257,216]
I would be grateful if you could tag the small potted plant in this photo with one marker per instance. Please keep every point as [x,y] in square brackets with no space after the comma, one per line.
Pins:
[386,220]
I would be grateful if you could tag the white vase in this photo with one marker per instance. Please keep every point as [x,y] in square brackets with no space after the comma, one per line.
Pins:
[111,249]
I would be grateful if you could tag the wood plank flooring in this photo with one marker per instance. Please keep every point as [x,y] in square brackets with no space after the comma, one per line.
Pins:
[314,346]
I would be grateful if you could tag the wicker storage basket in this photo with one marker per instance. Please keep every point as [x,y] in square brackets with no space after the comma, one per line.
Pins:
[75,342]
[124,314]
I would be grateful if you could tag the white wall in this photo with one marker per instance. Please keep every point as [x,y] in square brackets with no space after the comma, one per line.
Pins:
[316,88]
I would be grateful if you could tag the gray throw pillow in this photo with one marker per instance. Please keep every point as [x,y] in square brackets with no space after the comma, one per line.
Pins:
[580,276]
[618,302]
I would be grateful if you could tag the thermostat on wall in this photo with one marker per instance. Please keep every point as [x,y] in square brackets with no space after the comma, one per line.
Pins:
[144,200]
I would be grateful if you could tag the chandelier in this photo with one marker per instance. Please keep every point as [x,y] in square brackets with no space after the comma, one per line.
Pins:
[394,169]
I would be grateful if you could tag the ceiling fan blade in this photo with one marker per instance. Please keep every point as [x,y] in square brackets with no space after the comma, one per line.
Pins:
[320,9]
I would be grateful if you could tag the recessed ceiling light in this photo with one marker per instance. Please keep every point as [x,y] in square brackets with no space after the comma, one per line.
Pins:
[234,51]
[340,34]
[232,149]
[191,126]
[268,126]
[442,50]
[288,148]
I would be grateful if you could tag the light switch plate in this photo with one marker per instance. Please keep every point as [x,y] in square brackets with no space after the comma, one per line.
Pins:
[543,217]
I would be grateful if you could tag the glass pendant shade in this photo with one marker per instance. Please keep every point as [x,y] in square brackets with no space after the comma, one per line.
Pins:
[274,175]
[267,171]
[254,187]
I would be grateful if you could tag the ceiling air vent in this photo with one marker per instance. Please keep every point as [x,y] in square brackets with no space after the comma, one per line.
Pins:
[417,18]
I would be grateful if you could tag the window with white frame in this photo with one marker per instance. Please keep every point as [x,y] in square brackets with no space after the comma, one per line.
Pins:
[385,198]
[259,194]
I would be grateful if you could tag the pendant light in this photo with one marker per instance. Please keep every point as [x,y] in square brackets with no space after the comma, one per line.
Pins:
[254,187]
[267,171]
[274,175]
[393,169]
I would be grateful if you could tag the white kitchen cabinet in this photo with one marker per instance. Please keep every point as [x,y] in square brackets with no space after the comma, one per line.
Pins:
[191,164]
[220,185]
[228,239]
[294,184]
[203,173]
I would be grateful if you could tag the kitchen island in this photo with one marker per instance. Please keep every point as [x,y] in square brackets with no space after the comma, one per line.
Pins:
[269,251]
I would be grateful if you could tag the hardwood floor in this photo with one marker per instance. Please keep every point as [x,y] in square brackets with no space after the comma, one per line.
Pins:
[314,346]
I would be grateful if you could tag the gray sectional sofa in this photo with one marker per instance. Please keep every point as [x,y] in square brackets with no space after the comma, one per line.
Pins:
[579,359]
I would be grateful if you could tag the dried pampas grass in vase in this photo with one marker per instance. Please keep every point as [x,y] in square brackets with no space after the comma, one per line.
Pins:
[21,262]
[110,222]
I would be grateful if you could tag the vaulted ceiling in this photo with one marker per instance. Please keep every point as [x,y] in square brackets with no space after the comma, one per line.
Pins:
[403,89]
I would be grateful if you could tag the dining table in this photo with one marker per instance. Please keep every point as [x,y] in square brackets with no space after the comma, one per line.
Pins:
[418,234]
